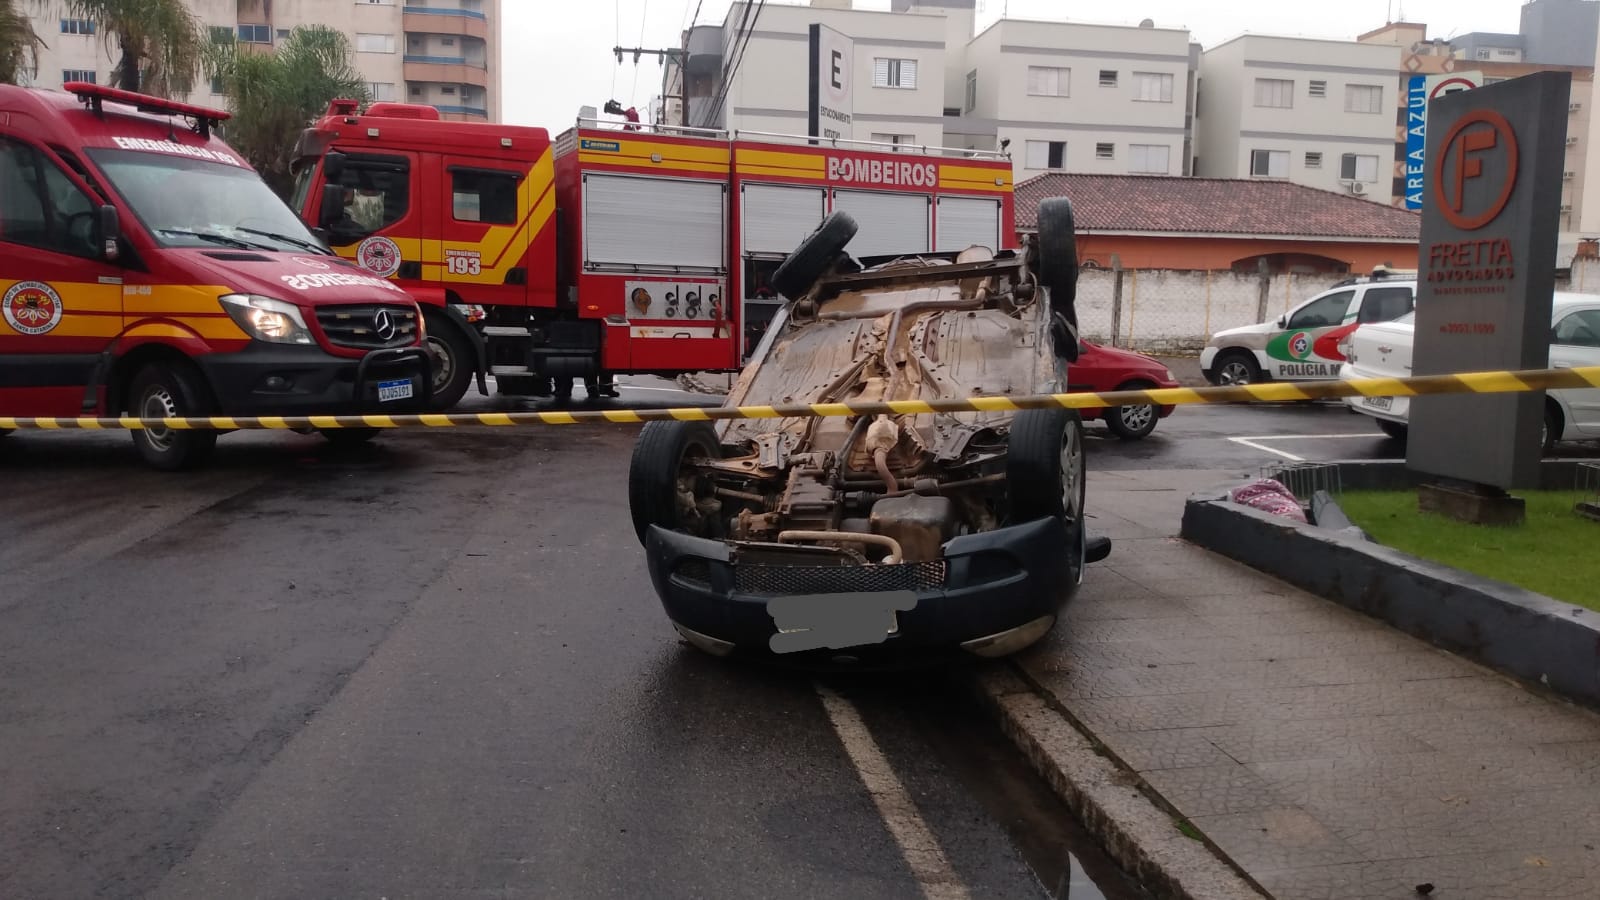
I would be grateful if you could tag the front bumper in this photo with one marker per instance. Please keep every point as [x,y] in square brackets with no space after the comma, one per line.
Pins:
[995,592]
[274,380]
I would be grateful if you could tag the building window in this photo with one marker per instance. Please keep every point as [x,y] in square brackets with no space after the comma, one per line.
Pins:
[895,139]
[448,90]
[1149,159]
[1354,167]
[894,73]
[221,34]
[77,75]
[374,43]
[1047,154]
[1482,53]
[1105,151]
[1153,87]
[1049,82]
[1363,98]
[1269,163]
[1319,89]
[416,90]
[218,87]
[1275,92]
[1313,159]
[1509,54]
[255,34]
[479,196]
[972,90]
[1108,78]
[380,91]
[77,26]
[447,42]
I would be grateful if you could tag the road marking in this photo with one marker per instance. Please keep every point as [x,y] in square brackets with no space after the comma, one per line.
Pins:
[917,843]
[1264,449]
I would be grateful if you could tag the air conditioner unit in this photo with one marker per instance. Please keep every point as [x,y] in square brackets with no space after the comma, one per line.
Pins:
[1568,176]
[1566,207]
[1357,188]
[1574,107]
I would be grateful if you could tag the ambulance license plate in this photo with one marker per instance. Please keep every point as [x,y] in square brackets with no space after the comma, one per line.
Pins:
[394,390]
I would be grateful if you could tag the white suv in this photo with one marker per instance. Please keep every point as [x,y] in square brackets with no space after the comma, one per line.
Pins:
[1303,343]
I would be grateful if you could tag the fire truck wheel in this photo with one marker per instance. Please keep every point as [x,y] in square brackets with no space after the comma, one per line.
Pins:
[170,390]
[662,489]
[454,358]
[815,255]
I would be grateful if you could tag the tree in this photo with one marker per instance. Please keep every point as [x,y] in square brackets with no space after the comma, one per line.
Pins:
[274,96]
[19,45]
[161,42]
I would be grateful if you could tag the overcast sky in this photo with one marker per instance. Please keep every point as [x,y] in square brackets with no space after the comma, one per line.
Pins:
[557,53]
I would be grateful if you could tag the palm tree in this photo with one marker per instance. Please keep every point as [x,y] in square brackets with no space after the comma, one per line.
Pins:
[274,96]
[19,45]
[160,41]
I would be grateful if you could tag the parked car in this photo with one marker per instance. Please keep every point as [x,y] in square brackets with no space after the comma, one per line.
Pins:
[1303,343]
[1101,369]
[949,533]
[1383,350]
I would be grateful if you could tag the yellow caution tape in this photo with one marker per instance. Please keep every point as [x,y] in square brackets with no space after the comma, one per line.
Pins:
[1464,383]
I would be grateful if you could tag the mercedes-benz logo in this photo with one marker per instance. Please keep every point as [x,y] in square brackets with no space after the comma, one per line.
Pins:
[384,325]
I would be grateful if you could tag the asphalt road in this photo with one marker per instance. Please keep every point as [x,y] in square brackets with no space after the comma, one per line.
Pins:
[435,667]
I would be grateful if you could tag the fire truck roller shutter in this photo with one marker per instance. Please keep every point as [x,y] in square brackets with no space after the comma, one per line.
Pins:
[965,221]
[890,223]
[778,217]
[633,221]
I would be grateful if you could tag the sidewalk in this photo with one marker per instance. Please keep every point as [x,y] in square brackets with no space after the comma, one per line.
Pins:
[1328,755]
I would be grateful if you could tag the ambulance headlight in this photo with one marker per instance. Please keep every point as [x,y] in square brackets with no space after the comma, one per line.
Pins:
[266,319]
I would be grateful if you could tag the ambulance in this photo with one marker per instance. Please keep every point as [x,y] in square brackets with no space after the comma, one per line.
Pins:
[613,248]
[147,270]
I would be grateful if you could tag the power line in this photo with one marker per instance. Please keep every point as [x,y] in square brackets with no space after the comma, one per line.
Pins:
[723,81]
[727,80]
[644,15]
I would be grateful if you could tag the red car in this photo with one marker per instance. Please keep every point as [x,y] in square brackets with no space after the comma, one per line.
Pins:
[1101,369]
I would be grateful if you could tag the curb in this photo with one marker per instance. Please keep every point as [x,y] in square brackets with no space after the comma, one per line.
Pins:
[1114,804]
[1530,636]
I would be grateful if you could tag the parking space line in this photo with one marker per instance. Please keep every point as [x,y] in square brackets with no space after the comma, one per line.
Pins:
[917,842]
[1249,442]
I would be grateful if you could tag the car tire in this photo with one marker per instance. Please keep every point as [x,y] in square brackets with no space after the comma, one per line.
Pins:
[171,390]
[348,437]
[815,255]
[1393,429]
[1234,367]
[457,359]
[1132,423]
[656,478]
[1056,267]
[1045,468]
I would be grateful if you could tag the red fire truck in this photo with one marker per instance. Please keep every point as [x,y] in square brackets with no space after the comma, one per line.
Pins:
[613,249]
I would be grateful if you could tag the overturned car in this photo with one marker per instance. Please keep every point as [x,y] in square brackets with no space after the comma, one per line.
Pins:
[865,539]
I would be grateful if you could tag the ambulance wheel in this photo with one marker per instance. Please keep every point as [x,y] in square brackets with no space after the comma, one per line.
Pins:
[453,361]
[170,390]
[815,256]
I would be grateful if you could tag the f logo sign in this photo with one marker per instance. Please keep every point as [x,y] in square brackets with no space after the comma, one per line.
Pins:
[1468,161]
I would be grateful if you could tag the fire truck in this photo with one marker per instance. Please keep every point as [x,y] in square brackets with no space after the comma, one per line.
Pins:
[614,248]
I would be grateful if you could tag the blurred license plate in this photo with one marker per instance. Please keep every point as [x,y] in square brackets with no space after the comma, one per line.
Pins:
[1380,402]
[394,390]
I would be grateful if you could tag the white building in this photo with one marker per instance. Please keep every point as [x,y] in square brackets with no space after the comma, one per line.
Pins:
[445,53]
[1315,112]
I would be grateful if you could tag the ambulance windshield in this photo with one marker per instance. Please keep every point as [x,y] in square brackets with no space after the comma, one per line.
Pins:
[194,203]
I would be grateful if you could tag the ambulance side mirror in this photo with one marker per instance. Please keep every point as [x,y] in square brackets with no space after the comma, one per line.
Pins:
[332,207]
[110,232]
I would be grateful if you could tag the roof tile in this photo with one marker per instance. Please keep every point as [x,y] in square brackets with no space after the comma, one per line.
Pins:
[1155,203]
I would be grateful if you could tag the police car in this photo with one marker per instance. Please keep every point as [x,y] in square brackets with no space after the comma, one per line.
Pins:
[1303,343]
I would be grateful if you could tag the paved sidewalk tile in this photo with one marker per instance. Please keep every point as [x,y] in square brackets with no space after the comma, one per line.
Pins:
[1329,755]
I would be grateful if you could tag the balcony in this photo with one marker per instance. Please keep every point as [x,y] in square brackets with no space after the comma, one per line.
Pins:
[461,113]
[445,70]
[445,11]
[420,20]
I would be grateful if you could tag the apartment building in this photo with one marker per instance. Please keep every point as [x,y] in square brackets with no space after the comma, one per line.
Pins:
[1314,112]
[1550,33]
[1054,95]
[444,53]
[1081,98]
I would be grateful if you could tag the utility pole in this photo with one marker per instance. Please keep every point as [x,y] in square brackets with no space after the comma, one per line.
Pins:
[680,56]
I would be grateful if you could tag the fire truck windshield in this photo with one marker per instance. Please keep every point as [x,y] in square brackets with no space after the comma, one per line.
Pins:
[192,202]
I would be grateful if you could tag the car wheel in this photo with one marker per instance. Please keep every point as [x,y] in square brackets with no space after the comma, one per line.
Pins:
[1057,269]
[815,255]
[1045,468]
[454,355]
[1131,423]
[170,391]
[1553,426]
[1393,429]
[348,437]
[1237,367]
[663,489]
